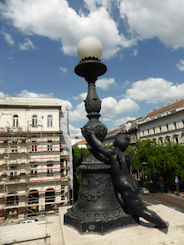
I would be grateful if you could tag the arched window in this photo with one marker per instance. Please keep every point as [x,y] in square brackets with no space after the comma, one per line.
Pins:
[160,140]
[34,121]
[33,201]
[175,138]
[49,199]
[15,121]
[167,139]
[33,197]
[49,121]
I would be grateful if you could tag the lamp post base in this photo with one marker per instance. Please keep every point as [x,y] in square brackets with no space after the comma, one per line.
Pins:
[97,225]
[97,208]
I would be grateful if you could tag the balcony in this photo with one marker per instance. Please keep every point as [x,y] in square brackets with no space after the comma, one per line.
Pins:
[21,193]
[11,129]
[11,181]
[48,179]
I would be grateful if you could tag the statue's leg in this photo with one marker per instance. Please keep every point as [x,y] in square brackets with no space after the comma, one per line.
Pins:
[154,218]
[139,209]
[126,208]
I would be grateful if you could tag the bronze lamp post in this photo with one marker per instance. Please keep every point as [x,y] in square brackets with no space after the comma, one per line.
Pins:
[97,208]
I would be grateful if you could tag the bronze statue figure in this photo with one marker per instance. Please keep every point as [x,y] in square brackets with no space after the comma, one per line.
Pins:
[105,172]
[124,183]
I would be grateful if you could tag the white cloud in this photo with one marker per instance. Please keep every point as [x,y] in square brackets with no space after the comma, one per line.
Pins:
[80,96]
[92,5]
[26,94]
[63,69]
[112,108]
[27,45]
[3,94]
[74,132]
[180,65]
[57,21]
[66,104]
[79,113]
[8,38]
[122,120]
[105,83]
[155,90]
[162,19]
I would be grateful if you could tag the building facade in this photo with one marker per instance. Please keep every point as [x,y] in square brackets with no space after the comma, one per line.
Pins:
[130,127]
[109,138]
[81,144]
[163,125]
[35,157]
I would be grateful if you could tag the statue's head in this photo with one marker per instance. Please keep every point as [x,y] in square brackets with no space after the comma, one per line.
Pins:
[122,141]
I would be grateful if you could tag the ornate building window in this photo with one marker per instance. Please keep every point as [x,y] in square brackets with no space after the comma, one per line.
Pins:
[12,172]
[14,146]
[175,138]
[34,121]
[15,121]
[50,169]
[49,121]
[34,146]
[160,140]
[49,145]
[34,172]
[167,139]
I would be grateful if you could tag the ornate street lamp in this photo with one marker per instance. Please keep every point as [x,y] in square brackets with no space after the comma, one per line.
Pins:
[97,208]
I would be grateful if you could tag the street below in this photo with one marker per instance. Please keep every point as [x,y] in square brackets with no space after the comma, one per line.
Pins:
[168,200]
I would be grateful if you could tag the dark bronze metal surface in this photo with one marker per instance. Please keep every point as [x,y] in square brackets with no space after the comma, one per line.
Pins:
[97,208]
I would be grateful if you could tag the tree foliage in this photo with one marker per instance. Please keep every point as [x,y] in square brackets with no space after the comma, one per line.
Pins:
[79,155]
[166,160]
[77,152]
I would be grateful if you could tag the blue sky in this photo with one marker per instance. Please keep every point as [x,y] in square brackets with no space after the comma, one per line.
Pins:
[143,48]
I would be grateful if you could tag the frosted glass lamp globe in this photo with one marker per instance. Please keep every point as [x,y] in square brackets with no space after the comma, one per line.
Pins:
[89,48]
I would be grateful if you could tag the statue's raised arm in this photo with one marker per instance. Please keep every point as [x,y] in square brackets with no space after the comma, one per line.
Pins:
[97,145]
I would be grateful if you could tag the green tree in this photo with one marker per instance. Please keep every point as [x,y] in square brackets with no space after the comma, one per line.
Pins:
[79,155]
[77,152]
[165,160]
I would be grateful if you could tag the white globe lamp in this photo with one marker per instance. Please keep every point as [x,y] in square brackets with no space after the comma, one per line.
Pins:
[89,48]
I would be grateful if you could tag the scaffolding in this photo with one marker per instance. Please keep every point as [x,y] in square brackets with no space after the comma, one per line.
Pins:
[34,177]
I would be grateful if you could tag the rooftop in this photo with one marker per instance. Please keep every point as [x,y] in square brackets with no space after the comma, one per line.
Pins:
[175,105]
[21,101]
[81,142]
[112,132]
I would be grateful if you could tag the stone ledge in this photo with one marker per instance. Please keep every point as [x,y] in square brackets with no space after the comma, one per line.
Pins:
[132,235]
